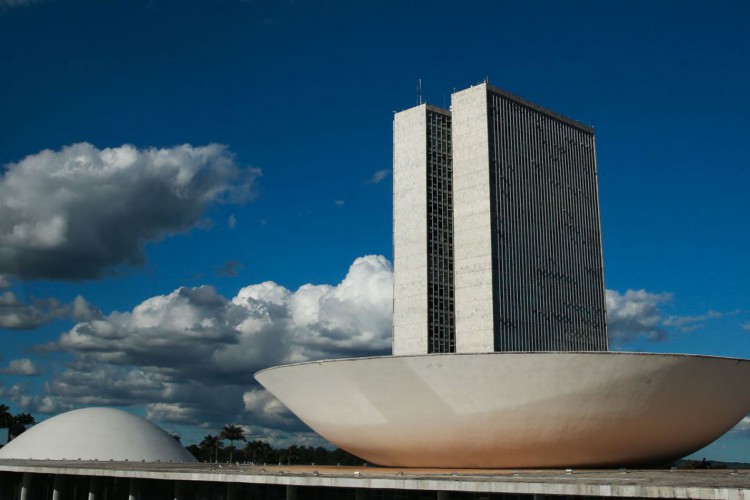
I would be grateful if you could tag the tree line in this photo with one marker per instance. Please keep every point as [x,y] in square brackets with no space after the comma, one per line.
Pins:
[213,449]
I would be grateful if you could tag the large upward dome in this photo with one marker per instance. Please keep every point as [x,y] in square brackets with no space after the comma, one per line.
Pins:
[96,434]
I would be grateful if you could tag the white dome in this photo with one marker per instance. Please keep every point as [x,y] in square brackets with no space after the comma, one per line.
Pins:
[96,434]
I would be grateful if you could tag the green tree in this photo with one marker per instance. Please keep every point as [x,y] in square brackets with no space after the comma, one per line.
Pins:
[260,452]
[320,456]
[19,424]
[291,454]
[212,444]
[6,418]
[197,452]
[232,433]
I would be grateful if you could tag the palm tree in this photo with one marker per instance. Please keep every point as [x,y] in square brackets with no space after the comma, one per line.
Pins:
[6,419]
[232,433]
[212,444]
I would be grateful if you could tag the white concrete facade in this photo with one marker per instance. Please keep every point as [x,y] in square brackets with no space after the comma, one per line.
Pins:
[410,231]
[472,222]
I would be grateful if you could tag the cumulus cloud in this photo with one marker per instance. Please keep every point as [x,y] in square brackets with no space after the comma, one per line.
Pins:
[746,326]
[188,356]
[73,213]
[4,282]
[23,366]
[635,313]
[379,176]
[742,428]
[16,315]
[83,310]
[268,411]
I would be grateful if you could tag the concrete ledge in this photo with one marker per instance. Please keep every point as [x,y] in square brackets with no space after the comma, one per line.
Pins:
[707,484]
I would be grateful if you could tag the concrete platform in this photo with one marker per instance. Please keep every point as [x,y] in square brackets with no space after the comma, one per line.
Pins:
[708,484]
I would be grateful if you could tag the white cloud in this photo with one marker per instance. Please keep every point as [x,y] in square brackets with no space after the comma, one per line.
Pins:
[742,427]
[83,310]
[188,356]
[4,282]
[23,366]
[635,313]
[746,326]
[169,412]
[16,315]
[691,323]
[379,176]
[268,410]
[339,203]
[232,221]
[73,213]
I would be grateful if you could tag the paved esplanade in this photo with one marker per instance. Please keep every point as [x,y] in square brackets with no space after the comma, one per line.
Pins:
[365,481]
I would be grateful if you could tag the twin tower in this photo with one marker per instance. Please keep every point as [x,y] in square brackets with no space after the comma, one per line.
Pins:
[496,229]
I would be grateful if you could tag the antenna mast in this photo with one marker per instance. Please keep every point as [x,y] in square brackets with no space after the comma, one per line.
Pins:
[419,92]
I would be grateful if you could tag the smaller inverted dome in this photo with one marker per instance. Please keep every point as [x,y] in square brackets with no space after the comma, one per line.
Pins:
[96,434]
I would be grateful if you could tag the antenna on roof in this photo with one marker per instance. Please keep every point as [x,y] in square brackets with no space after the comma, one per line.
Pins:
[419,92]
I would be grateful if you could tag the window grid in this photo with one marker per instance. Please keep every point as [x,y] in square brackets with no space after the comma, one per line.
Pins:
[548,290]
[440,284]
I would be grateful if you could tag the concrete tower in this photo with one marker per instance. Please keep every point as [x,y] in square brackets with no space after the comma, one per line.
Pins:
[423,311]
[528,253]
[497,240]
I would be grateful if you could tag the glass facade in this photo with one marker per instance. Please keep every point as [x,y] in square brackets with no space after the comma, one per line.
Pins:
[548,288]
[441,325]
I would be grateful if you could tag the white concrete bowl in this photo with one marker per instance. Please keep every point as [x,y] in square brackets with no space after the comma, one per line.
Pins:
[517,410]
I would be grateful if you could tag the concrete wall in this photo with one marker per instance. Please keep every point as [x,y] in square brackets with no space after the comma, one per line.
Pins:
[364,483]
[472,222]
[410,231]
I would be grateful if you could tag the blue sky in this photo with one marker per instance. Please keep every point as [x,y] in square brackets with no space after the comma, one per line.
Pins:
[174,172]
